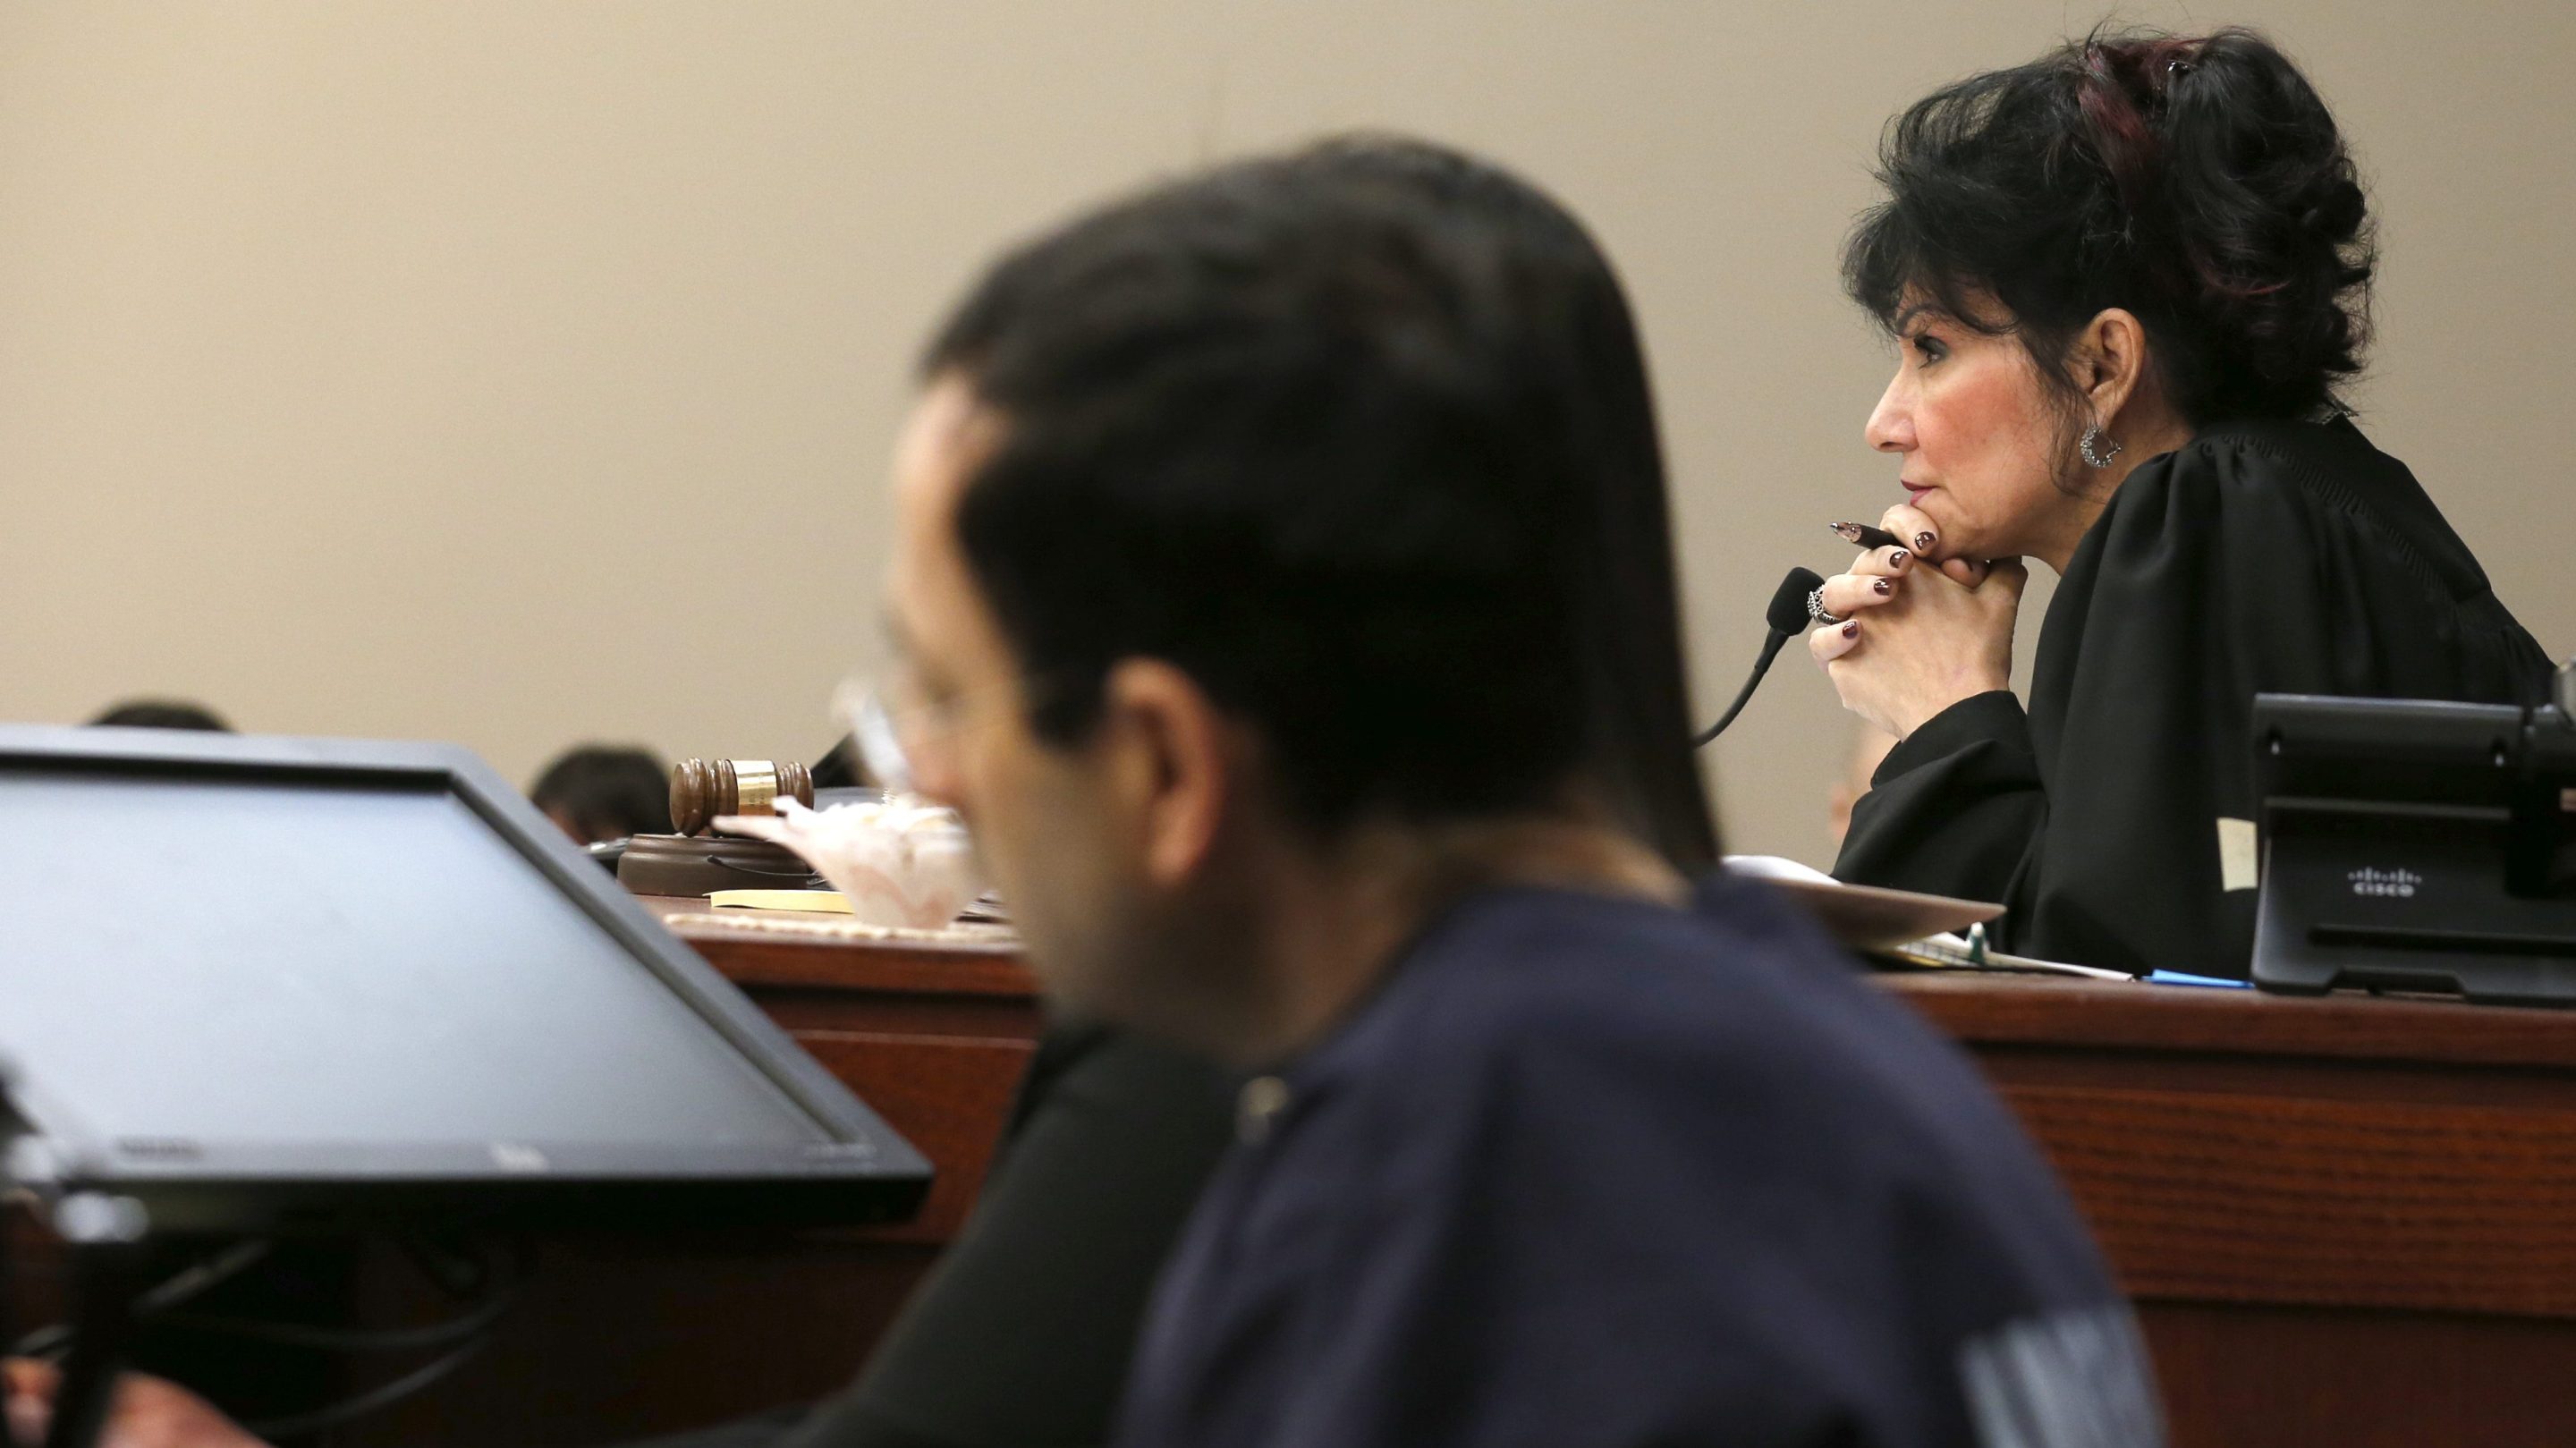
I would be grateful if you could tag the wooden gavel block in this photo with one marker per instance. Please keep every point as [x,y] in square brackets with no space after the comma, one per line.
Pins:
[700,791]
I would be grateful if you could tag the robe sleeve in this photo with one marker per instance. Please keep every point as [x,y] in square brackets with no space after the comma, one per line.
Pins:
[1953,808]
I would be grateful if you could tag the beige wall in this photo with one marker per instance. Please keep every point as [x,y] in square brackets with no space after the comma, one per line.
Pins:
[523,372]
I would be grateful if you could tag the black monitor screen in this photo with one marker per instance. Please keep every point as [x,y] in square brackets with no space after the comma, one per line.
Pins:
[320,964]
[373,974]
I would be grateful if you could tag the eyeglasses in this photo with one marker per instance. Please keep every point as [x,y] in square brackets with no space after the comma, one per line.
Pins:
[899,728]
[867,708]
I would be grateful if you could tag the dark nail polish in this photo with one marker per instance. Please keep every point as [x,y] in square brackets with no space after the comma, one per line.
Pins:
[1923,542]
[1897,558]
[1851,630]
[1883,587]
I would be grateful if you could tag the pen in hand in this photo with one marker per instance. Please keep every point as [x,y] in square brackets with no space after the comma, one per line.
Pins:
[1864,536]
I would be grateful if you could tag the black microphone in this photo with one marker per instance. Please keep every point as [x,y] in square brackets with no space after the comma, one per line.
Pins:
[1786,615]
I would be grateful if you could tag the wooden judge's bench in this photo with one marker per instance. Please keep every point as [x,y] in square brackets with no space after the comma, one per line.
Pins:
[2346,1222]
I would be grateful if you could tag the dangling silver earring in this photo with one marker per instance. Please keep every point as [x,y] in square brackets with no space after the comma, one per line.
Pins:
[2088,444]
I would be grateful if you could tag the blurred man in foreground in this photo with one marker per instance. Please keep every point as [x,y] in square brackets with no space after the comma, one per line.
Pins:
[1254,585]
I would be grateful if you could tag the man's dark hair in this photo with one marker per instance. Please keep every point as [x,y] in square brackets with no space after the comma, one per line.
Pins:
[608,792]
[1359,438]
[162,714]
[2199,183]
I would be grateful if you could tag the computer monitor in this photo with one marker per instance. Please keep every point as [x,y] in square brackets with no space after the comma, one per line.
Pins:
[251,983]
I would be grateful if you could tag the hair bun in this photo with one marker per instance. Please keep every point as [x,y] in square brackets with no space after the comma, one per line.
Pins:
[2262,223]
[2338,215]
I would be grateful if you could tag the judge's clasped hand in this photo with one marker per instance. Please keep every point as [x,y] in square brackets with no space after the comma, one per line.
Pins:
[1914,639]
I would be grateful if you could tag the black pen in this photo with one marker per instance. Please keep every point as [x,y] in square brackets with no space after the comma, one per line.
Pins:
[1864,536]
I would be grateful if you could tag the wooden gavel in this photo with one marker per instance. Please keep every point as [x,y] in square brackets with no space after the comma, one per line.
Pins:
[700,791]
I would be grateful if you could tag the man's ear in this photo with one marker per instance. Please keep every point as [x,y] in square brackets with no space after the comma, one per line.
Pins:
[1174,761]
[2110,362]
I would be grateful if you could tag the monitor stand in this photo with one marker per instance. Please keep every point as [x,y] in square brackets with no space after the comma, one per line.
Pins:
[107,1256]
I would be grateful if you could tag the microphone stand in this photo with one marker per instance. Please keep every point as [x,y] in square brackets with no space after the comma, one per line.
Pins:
[106,1273]
[1786,615]
[1743,696]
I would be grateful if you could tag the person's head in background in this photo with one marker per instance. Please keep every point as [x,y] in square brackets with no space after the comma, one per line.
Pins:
[1276,549]
[2088,258]
[162,714]
[601,792]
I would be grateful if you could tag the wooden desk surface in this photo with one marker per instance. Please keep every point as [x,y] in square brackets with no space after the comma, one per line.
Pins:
[2345,1220]
[1999,1009]
[2230,1146]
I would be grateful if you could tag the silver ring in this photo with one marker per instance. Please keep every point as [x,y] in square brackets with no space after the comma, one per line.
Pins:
[1816,607]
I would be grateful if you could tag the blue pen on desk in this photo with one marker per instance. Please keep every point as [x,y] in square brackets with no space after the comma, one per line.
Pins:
[2176,977]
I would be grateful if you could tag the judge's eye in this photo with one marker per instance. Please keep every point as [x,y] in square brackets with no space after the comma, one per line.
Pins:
[1930,348]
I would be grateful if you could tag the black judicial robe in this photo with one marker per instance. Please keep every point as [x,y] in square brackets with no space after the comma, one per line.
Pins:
[2272,557]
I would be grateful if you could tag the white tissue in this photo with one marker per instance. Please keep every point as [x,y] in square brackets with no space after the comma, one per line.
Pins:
[901,862]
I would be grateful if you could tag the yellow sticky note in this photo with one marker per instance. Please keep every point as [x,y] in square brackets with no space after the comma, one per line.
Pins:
[816,902]
[2240,864]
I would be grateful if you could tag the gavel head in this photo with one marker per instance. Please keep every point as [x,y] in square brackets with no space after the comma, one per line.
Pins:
[700,791]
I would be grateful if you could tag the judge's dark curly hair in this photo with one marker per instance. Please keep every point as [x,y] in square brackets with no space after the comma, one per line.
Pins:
[2199,183]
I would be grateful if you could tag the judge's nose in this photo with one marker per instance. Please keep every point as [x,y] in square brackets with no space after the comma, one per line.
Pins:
[1891,423]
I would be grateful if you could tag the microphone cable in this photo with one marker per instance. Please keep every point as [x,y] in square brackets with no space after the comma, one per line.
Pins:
[1786,615]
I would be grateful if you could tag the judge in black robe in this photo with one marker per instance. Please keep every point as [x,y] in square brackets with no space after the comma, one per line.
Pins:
[2128,280]
[2274,557]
